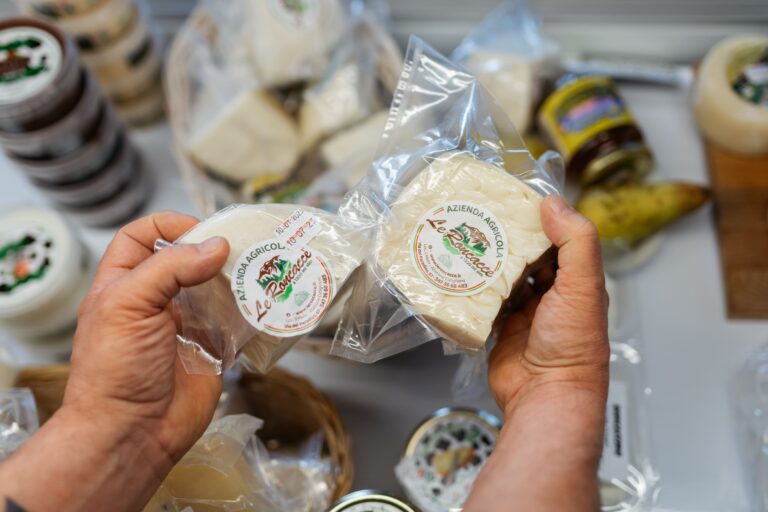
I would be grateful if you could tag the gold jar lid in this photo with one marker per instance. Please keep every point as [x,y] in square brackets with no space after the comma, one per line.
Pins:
[628,163]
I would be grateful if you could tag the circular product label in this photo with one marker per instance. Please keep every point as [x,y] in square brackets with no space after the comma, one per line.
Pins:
[25,259]
[30,60]
[301,14]
[282,291]
[373,504]
[447,458]
[459,248]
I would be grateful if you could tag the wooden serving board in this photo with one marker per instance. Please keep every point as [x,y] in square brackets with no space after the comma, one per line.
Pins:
[740,190]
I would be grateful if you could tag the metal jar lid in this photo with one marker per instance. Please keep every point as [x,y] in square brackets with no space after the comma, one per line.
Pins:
[628,163]
[369,500]
[120,168]
[444,456]
[63,136]
[59,8]
[82,163]
[40,71]
[125,203]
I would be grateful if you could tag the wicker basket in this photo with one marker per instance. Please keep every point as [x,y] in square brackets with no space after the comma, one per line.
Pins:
[291,407]
[210,194]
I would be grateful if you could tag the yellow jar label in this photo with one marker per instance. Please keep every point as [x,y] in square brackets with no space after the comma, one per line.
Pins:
[578,111]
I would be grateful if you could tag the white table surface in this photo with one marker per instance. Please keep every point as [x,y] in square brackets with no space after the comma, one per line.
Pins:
[691,349]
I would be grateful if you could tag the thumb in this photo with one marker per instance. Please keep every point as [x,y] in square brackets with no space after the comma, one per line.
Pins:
[157,280]
[579,258]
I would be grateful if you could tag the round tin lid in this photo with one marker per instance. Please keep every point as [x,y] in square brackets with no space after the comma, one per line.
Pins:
[31,57]
[369,500]
[38,254]
[444,456]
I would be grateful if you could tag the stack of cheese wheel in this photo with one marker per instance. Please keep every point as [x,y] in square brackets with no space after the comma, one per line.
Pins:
[44,273]
[118,47]
[56,126]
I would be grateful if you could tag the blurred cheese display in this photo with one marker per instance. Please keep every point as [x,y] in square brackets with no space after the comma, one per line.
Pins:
[256,101]
[229,469]
[512,59]
[118,47]
[731,96]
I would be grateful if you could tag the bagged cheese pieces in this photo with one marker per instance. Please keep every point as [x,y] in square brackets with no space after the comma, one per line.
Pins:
[452,199]
[511,58]
[285,268]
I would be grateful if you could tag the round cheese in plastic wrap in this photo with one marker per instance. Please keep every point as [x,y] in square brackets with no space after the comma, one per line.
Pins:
[731,96]
[285,268]
[463,235]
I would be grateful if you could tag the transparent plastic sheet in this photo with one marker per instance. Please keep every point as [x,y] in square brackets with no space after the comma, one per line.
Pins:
[229,469]
[305,77]
[18,419]
[305,266]
[445,140]
[749,396]
[511,57]
[628,479]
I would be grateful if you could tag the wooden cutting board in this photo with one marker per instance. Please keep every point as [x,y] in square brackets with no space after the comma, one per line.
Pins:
[740,190]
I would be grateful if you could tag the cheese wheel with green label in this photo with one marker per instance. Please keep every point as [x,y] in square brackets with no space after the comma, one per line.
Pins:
[463,234]
[212,310]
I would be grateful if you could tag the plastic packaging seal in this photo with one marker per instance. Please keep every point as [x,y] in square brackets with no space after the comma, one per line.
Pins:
[731,95]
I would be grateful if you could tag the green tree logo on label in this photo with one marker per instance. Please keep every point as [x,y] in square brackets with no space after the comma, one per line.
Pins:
[471,238]
[23,259]
[14,66]
[272,274]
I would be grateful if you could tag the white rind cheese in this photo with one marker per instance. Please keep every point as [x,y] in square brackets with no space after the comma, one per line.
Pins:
[460,179]
[354,148]
[293,43]
[214,308]
[334,104]
[251,136]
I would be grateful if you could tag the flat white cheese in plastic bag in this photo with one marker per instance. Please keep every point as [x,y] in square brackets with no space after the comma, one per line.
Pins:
[355,147]
[251,136]
[285,267]
[462,235]
[292,40]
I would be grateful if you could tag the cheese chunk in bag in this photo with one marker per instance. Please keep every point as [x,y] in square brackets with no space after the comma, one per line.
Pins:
[462,235]
[286,265]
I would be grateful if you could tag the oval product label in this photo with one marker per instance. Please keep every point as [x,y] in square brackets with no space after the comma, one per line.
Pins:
[300,14]
[25,258]
[459,248]
[30,60]
[373,504]
[281,290]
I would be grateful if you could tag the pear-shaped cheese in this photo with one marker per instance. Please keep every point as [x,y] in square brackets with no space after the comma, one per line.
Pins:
[458,279]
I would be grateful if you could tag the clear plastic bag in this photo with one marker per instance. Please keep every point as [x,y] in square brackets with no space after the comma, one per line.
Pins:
[286,266]
[258,87]
[229,469]
[511,57]
[447,150]
[628,479]
[749,391]
[18,419]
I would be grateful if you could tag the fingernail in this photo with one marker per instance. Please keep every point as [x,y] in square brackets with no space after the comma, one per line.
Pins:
[559,205]
[211,245]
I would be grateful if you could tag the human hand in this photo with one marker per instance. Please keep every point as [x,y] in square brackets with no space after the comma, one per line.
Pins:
[125,369]
[559,339]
